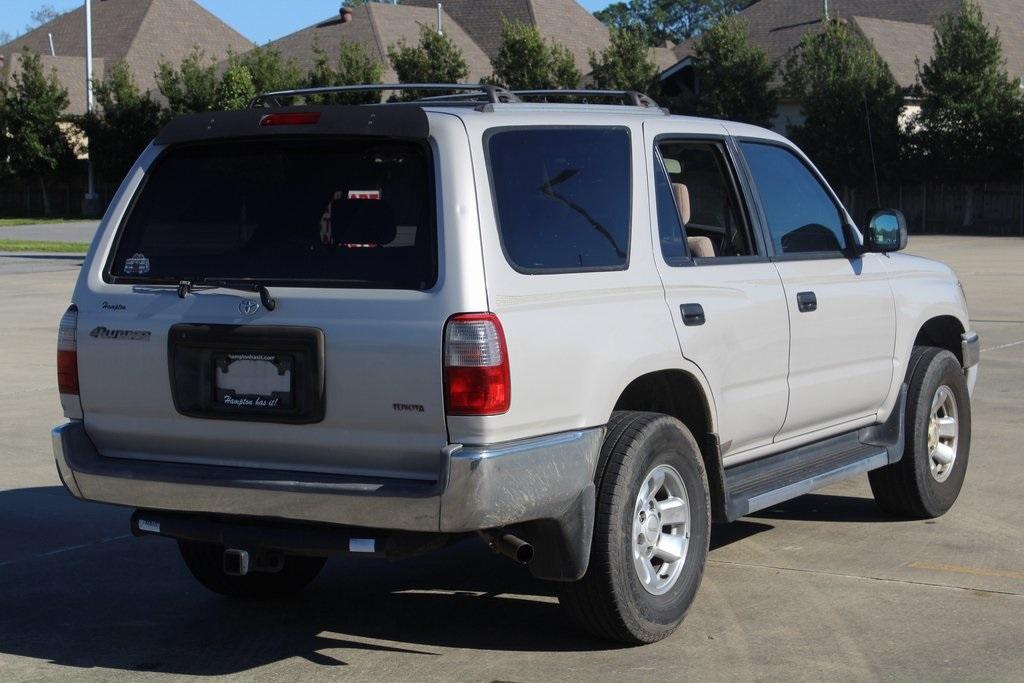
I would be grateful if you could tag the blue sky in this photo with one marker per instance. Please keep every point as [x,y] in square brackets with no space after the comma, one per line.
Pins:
[273,19]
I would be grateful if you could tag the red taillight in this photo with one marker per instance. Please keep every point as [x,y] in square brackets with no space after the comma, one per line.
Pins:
[476,372]
[301,118]
[67,352]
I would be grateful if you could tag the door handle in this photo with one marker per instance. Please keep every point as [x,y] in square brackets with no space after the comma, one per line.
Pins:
[806,302]
[693,314]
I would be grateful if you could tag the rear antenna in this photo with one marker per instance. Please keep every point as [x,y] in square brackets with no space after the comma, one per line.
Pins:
[871,144]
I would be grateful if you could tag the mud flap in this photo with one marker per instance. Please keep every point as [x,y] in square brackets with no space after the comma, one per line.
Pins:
[562,545]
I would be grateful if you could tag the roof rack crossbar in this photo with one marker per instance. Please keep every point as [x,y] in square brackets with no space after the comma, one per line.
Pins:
[493,93]
[632,97]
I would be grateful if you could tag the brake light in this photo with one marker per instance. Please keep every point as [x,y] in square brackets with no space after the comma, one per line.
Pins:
[301,118]
[67,353]
[476,370]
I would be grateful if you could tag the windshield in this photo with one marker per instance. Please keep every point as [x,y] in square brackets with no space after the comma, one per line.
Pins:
[288,212]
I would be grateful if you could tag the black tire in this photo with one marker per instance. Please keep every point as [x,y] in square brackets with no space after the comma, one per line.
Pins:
[206,562]
[907,488]
[610,601]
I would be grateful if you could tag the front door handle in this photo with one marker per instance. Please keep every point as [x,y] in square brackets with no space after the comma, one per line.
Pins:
[806,302]
[693,314]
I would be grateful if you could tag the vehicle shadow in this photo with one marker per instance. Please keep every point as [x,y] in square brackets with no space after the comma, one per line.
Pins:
[821,507]
[76,591]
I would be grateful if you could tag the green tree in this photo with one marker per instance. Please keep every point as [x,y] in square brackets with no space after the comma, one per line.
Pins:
[124,122]
[235,89]
[269,70]
[435,59]
[354,66]
[190,87]
[849,101]
[625,64]
[33,103]
[663,20]
[969,126]
[526,61]
[734,75]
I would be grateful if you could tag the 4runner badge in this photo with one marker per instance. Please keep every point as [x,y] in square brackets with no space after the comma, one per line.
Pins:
[130,335]
[248,307]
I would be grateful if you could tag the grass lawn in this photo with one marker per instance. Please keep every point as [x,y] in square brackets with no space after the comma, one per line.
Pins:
[44,247]
[13,222]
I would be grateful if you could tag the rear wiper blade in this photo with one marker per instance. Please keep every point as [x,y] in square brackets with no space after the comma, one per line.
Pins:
[186,287]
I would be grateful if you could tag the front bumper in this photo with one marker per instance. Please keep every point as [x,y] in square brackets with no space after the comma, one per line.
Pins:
[482,487]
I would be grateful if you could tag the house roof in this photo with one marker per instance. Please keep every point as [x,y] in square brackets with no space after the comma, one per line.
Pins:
[897,29]
[378,26]
[900,44]
[564,21]
[70,72]
[140,32]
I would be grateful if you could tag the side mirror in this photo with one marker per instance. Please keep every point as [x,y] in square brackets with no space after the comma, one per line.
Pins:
[886,231]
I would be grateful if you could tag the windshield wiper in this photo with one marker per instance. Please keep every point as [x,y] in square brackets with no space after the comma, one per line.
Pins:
[186,287]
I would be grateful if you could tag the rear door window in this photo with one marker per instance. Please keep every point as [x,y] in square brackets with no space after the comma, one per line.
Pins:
[562,197]
[335,212]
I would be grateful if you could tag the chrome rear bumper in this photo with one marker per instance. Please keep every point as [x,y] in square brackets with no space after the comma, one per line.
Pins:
[482,487]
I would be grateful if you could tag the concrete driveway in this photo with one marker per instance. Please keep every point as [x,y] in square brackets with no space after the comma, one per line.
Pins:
[823,587]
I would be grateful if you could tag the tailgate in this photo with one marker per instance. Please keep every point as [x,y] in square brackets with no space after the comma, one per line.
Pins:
[366,256]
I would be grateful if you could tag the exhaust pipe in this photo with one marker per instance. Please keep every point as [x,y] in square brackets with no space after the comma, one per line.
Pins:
[509,545]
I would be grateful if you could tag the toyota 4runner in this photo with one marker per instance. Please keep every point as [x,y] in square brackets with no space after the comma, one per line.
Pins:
[581,331]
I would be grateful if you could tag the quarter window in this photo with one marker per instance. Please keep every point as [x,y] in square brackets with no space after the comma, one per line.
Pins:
[562,197]
[802,217]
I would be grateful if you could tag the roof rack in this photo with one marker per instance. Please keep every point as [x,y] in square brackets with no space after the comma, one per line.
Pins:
[464,92]
[628,97]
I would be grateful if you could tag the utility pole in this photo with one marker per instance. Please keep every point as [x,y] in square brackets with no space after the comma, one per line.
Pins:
[90,204]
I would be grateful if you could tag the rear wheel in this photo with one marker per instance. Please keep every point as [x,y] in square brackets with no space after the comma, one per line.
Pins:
[206,562]
[927,480]
[650,534]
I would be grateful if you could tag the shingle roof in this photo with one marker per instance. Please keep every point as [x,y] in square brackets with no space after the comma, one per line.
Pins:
[778,25]
[378,26]
[140,32]
[70,72]
[564,21]
[900,44]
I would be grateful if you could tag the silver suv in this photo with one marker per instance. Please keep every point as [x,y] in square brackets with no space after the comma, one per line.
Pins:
[581,331]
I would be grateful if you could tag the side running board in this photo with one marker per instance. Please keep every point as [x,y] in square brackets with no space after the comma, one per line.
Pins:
[760,484]
[763,483]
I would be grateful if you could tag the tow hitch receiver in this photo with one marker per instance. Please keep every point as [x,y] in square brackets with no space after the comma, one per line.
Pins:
[238,562]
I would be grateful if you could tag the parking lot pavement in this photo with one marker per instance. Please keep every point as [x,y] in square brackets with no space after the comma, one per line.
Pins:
[823,587]
[77,231]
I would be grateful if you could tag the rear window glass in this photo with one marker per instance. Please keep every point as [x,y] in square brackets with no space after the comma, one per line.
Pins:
[288,212]
[562,197]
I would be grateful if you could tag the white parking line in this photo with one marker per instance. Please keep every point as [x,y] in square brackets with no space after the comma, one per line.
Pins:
[65,549]
[1003,346]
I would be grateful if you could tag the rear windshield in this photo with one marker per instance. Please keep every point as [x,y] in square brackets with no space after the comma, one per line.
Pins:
[352,213]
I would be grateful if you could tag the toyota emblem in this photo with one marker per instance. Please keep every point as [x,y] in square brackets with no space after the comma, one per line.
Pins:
[248,307]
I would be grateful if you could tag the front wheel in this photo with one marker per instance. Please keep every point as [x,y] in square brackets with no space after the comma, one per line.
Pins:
[927,480]
[651,532]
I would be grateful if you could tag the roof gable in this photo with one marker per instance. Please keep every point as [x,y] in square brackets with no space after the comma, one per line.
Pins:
[376,27]
[139,32]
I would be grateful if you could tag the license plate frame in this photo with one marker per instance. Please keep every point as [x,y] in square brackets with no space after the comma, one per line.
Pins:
[193,350]
[256,382]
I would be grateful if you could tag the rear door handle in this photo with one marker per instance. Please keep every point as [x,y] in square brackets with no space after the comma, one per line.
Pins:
[806,302]
[693,314]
